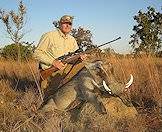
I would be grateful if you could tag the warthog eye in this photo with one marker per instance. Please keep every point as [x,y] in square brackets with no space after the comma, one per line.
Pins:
[97,69]
[101,73]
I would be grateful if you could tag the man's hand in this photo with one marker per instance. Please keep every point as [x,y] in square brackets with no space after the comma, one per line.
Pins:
[83,56]
[58,64]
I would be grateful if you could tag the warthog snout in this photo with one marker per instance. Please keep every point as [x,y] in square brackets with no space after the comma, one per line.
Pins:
[127,85]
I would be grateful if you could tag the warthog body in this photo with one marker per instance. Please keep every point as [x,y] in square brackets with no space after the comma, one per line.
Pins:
[82,88]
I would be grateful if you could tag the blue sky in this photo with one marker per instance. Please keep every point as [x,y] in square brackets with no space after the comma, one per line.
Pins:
[107,19]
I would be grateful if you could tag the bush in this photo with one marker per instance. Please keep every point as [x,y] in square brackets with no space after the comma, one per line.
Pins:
[13,51]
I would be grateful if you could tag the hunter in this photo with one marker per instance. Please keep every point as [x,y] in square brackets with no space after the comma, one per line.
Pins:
[51,46]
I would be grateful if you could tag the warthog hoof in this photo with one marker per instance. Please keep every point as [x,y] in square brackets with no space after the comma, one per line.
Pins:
[102,109]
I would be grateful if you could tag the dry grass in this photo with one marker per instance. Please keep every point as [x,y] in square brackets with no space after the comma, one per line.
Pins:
[20,97]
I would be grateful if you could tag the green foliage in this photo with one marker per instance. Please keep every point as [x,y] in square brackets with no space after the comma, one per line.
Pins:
[148,31]
[11,51]
[83,38]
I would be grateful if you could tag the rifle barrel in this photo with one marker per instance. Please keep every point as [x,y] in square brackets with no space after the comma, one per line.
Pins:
[108,42]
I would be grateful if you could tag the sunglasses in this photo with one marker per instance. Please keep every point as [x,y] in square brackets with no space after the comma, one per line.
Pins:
[67,23]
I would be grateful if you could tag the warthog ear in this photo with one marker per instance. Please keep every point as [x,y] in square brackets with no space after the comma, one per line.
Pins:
[96,69]
[93,65]
[98,62]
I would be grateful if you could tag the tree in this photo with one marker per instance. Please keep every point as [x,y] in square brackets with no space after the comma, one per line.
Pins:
[148,32]
[14,24]
[83,38]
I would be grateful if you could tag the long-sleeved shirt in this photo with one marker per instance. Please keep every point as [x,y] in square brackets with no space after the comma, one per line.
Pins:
[53,45]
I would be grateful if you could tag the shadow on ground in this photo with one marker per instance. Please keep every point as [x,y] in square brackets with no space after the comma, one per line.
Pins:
[19,83]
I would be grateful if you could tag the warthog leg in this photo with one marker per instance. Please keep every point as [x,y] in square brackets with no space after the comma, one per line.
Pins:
[100,108]
[75,113]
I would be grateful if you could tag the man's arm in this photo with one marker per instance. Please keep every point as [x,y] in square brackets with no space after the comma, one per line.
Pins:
[42,53]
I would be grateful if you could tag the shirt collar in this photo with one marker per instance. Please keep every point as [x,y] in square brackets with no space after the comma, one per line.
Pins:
[63,35]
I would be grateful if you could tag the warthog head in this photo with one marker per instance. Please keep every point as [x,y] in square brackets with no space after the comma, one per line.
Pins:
[106,81]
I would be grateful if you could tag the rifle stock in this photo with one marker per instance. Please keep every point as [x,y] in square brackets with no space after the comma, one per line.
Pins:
[47,72]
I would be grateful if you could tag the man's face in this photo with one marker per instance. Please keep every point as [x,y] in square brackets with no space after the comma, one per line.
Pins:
[66,27]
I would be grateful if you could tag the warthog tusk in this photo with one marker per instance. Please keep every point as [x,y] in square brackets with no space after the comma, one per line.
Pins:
[130,82]
[106,87]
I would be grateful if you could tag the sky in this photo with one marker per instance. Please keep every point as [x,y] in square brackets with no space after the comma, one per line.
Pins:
[106,19]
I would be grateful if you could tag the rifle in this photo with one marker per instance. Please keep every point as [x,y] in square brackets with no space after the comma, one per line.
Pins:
[70,58]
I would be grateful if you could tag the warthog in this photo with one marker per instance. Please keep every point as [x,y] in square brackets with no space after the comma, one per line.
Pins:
[82,88]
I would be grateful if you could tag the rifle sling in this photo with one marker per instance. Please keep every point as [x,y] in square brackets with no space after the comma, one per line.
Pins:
[72,72]
[66,75]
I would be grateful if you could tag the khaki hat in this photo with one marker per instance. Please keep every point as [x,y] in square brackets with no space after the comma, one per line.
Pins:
[66,18]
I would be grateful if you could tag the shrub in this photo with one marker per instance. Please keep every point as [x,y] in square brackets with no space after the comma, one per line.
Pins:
[11,51]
